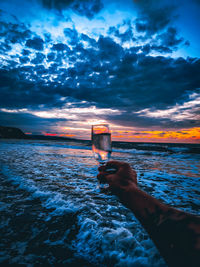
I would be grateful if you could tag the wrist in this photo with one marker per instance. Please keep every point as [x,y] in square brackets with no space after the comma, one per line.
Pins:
[130,188]
[127,193]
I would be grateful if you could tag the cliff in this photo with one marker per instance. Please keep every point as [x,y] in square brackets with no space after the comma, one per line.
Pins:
[11,132]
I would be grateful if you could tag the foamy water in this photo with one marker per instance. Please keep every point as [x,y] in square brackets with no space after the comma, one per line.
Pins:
[52,212]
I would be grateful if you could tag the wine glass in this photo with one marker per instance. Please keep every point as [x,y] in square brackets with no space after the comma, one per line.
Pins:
[102,146]
[101,143]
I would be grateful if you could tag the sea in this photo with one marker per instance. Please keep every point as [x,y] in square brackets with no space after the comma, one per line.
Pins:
[53,212]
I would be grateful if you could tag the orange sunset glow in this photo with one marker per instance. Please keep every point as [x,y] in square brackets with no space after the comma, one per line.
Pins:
[58,135]
[191,135]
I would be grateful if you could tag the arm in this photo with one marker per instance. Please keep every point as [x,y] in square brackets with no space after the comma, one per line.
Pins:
[175,233]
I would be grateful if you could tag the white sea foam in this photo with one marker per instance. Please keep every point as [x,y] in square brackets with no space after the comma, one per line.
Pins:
[104,232]
[139,152]
[49,199]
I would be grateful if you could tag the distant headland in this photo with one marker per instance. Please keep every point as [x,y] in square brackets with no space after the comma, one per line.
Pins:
[16,133]
[11,132]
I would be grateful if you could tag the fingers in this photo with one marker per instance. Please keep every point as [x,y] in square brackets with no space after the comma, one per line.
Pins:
[118,165]
[116,169]
[113,164]
[105,171]
[102,168]
[102,178]
[111,168]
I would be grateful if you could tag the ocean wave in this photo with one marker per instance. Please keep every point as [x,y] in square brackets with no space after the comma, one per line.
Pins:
[54,213]
[95,239]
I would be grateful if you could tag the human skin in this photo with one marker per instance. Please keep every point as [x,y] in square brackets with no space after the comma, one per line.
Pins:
[175,233]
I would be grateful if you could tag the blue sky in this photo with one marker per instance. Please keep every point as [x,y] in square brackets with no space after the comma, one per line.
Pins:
[67,64]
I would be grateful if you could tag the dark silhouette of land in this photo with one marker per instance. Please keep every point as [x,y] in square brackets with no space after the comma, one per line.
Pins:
[11,132]
[16,133]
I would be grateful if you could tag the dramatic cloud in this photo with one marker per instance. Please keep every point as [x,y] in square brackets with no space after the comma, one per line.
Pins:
[60,47]
[117,78]
[124,31]
[73,55]
[87,8]
[35,43]
[14,33]
[154,16]
[169,38]
[27,122]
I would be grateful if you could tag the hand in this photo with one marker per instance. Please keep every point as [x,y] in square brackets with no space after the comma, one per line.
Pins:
[123,179]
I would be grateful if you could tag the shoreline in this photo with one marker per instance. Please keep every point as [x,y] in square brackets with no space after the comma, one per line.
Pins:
[158,147]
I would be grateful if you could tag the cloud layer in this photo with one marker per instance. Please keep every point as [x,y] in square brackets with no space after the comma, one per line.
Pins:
[128,67]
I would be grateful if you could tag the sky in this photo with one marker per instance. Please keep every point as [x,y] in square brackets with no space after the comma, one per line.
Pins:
[132,64]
